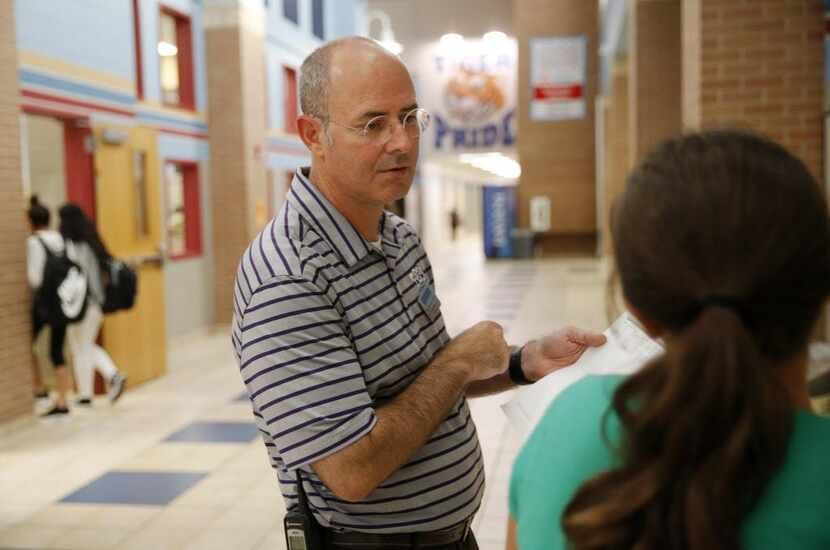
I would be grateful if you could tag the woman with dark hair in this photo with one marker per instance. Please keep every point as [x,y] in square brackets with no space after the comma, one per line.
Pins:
[39,245]
[85,247]
[723,248]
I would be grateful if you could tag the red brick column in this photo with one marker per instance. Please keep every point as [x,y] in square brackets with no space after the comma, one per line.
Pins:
[655,70]
[558,158]
[757,64]
[15,331]
[235,53]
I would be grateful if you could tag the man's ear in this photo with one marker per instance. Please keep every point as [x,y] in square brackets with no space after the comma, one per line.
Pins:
[313,134]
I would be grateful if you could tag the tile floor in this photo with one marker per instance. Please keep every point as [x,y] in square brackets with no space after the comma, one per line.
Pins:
[177,464]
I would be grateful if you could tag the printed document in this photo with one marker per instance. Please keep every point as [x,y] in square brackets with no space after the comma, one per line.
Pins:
[628,348]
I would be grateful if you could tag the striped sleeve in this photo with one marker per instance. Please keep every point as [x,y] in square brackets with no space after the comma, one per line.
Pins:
[301,371]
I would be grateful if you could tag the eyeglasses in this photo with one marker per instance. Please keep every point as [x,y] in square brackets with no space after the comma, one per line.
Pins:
[380,129]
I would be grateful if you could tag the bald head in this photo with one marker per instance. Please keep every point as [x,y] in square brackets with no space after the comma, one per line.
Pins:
[327,62]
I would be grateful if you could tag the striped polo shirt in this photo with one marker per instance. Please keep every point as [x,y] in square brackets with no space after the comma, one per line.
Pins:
[327,327]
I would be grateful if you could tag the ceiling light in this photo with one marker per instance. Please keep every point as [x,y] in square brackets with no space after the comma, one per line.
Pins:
[166,49]
[495,37]
[496,163]
[452,40]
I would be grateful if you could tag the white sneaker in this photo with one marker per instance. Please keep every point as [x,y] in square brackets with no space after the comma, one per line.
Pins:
[116,387]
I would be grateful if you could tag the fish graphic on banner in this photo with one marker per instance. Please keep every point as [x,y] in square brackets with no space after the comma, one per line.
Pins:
[470,92]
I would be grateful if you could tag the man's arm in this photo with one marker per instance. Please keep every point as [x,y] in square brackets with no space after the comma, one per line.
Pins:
[404,425]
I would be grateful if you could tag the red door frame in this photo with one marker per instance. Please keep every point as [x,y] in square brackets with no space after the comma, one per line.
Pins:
[184,39]
[192,208]
[79,165]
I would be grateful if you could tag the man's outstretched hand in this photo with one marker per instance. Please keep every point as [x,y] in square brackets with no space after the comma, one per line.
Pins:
[559,349]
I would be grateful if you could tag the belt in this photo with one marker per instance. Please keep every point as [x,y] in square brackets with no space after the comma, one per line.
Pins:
[353,539]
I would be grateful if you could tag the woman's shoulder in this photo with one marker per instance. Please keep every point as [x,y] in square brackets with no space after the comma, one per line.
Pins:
[576,428]
[584,402]
[50,237]
[573,442]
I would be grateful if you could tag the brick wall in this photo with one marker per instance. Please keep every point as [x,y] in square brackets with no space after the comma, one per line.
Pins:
[15,332]
[655,70]
[235,80]
[558,158]
[757,64]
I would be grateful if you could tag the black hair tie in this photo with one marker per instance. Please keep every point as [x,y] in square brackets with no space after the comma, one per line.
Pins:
[726,302]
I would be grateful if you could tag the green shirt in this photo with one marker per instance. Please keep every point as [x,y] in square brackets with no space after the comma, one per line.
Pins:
[567,448]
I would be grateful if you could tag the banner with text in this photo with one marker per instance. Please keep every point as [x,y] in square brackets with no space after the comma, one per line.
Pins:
[470,91]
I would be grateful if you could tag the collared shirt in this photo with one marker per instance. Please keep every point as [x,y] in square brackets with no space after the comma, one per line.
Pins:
[326,329]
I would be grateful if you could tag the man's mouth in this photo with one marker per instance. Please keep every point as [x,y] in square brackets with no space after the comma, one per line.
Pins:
[398,170]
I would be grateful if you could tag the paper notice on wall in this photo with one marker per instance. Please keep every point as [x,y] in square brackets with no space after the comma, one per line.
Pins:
[540,214]
[557,78]
[628,348]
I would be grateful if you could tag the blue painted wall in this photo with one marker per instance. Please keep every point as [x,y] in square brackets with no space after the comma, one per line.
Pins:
[95,33]
[98,34]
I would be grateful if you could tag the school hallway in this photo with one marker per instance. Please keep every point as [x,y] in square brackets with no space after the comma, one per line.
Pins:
[178,463]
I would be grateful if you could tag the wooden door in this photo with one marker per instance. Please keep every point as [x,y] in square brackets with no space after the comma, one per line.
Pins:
[129,219]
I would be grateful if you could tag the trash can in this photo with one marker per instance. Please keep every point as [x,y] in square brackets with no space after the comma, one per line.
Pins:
[522,243]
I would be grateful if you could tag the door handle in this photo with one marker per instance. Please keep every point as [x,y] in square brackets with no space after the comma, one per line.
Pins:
[153,259]
[146,259]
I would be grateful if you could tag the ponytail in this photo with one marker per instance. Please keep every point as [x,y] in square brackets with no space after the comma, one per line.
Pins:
[39,215]
[705,427]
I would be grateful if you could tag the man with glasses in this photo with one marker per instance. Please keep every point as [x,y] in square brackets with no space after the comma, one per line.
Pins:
[358,390]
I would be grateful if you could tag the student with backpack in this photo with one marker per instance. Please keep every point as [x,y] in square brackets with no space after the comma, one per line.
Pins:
[45,251]
[84,246]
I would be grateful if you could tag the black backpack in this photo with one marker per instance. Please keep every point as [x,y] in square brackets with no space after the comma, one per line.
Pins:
[63,295]
[121,289]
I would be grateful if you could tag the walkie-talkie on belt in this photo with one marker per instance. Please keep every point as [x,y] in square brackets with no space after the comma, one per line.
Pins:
[301,529]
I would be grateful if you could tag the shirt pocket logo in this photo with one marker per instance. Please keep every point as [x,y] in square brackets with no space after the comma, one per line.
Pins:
[417,275]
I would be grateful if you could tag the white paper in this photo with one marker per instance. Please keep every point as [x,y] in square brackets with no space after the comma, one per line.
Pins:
[628,348]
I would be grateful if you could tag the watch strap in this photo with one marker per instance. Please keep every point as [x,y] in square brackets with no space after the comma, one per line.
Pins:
[514,369]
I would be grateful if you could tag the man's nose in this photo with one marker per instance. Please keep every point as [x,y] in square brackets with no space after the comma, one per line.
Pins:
[400,140]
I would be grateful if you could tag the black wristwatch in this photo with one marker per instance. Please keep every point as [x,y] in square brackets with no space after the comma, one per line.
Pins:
[517,375]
